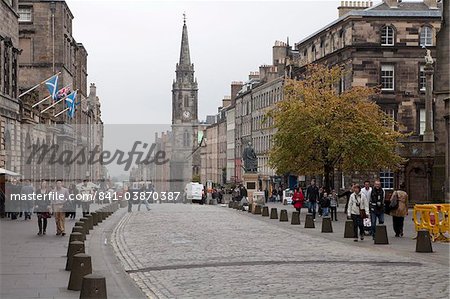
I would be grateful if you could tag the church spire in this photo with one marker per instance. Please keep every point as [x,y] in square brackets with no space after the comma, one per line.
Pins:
[185,59]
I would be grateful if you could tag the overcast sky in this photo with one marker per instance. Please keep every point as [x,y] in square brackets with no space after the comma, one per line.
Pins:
[133,47]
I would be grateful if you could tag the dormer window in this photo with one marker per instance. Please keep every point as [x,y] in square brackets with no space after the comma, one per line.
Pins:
[387,36]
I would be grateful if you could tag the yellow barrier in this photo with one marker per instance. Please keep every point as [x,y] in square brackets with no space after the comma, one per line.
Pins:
[435,219]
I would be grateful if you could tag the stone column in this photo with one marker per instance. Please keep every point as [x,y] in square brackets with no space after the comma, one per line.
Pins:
[428,135]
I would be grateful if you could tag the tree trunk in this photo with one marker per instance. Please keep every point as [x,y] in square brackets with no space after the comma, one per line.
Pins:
[327,171]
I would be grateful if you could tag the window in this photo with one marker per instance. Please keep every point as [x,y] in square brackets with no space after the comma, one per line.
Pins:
[387,179]
[422,121]
[387,77]
[422,79]
[426,37]
[25,14]
[390,113]
[387,36]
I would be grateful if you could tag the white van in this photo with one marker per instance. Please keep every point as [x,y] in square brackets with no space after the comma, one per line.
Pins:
[193,192]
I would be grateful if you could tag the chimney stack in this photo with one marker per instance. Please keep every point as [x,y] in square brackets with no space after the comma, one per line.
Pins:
[347,6]
[392,3]
[431,3]
[236,86]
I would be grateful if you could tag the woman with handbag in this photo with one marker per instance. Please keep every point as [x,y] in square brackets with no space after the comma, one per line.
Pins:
[398,209]
[358,209]
[42,207]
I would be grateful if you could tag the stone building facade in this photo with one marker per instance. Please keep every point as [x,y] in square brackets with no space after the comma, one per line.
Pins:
[43,37]
[442,83]
[10,118]
[381,46]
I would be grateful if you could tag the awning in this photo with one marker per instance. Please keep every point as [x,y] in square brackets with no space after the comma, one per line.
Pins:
[8,172]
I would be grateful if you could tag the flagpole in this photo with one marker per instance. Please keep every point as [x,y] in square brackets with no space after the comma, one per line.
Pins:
[48,97]
[59,113]
[36,86]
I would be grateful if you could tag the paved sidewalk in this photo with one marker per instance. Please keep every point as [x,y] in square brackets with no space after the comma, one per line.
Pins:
[404,246]
[32,266]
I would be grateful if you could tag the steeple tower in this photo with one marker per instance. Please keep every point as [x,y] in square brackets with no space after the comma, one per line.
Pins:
[184,88]
[185,58]
[184,137]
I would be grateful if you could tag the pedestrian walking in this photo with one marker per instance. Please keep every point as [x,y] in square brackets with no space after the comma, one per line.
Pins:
[61,197]
[334,204]
[367,190]
[398,209]
[42,207]
[358,209]
[12,203]
[325,204]
[143,198]
[312,196]
[26,192]
[347,195]
[298,199]
[87,193]
[274,195]
[72,205]
[376,207]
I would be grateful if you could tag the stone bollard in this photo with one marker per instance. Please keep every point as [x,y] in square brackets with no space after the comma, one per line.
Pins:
[381,235]
[326,225]
[265,211]
[93,286]
[284,216]
[423,241]
[79,229]
[309,221]
[348,232]
[75,247]
[76,237]
[257,210]
[81,266]
[83,224]
[100,216]
[123,203]
[86,225]
[250,207]
[273,213]
[295,218]
[90,222]
[94,218]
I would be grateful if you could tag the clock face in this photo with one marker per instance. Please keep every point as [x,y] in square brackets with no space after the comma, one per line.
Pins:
[186,114]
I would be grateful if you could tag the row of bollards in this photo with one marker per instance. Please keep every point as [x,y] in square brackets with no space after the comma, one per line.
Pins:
[79,263]
[423,240]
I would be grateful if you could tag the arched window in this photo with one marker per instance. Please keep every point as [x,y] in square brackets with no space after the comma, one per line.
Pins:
[426,36]
[186,101]
[313,52]
[387,36]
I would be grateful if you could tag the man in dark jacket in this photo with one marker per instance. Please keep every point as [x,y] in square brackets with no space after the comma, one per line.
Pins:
[312,195]
[376,206]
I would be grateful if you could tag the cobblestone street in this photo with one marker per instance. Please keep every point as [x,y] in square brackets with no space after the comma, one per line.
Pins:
[192,251]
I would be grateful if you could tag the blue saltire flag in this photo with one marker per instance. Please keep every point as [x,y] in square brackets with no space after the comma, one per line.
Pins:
[52,86]
[70,101]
